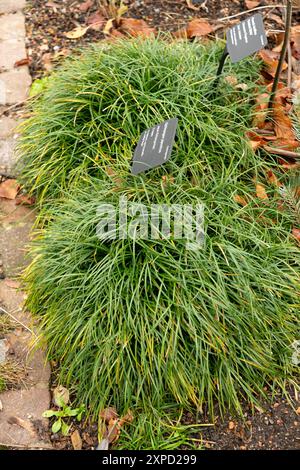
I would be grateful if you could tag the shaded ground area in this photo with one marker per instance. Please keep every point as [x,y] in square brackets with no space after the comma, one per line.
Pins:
[277,426]
[48,21]
[274,427]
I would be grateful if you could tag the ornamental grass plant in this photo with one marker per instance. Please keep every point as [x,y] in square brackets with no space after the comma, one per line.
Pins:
[141,323]
[135,322]
[96,106]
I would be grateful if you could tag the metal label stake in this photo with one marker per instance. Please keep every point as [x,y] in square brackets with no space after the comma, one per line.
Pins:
[243,40]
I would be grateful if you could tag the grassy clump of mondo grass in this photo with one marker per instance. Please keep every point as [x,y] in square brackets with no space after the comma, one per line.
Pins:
[95,107]
[142,323]
[135,322]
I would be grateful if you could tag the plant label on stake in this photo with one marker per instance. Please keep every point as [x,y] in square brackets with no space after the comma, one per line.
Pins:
[246,38]
[154,147]
[243,39]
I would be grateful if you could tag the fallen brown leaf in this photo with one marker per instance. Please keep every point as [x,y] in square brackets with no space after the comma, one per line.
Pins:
[270,59]
[295,41]
[116,179]
[261,192]
[25,199]
[278,19]
[290,166]
[283,123]
[252,4]
[9,189]
[240,200]
[261,110]
[116,34]
[77,32]
[113,430]
[256,141]
[108,27]
[126,419]
[135,27]
[285,144]
[198,28]
[20,63]
[96,21]
[296,233]
[272,179]
[108,414]
[76,440]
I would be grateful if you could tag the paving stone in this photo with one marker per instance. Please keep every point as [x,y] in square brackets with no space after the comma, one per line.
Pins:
[12,26]
[11,51]
[14,236]
[7,157]
[7,126]
[14,86]
[12,300]
[21,421]
[10,6]
[19,343]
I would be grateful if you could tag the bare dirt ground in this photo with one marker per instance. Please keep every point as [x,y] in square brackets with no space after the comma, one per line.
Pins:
[48,21]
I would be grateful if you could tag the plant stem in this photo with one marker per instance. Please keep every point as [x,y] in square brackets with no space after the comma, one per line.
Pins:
[288,23]
[219,72]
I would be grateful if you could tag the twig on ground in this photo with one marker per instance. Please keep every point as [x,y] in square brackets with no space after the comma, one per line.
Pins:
[16,320]
[288,23]
[249,11]
[290,66]
[15,105]
[282,152]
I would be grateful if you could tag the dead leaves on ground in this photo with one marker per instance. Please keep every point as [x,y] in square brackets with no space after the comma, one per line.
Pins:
[111,21]
[295,42]
[76,440]
[275,131]
[110,425]
[77,32]
[196,28]
[240,200]
[10,189]
[288,199]
[134,27]
[270,60]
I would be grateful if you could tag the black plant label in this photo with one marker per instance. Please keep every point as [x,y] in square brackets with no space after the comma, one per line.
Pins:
[154,147]
[246,38]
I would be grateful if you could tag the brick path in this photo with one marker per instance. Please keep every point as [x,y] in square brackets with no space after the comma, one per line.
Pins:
[14,82]
[21,422]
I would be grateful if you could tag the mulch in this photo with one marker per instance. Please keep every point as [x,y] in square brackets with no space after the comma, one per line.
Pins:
[48,21]
[276,426]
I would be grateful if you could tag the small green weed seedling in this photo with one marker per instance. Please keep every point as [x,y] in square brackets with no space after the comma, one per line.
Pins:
[65,411]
